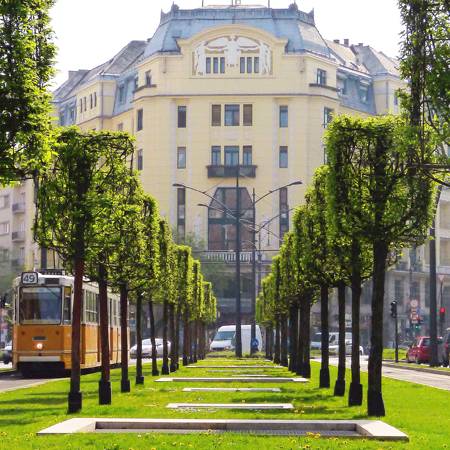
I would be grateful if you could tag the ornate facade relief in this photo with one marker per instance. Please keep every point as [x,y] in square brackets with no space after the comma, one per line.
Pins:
[232,48]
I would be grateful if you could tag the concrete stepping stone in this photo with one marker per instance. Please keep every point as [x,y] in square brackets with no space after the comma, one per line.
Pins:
[237,379]
[230,405]
[251,375]
[365,429]
[233,389]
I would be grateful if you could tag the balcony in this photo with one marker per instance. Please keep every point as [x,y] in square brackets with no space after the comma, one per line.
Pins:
[220,171]
[18,236]
[18,207]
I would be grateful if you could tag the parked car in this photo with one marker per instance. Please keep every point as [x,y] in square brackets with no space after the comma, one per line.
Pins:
[419,352]
[147,348]
[446,347]
[7,353]
[333,343]
[225,338]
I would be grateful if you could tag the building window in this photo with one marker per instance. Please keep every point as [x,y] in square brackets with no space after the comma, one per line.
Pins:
[140,119]
[135,83]
[91,101]
[208,65]
[249,64]
[81,105]
[218,65]
[247,155]
[62,120]
[283,160]
[232,115]
[216,115]
[242,65]
[327,116]
[415,291]
[395,99]
[215,65]
[72,114]
[4,254]
[284,116]
[140,160]
[398,291]
[95,99]
[4,227]
[363,93]
[247,115]
[321,77]
[284,212]
[4,201]
[222,224]
[122,94]
[222,64]
[120,127]
[181,116]
[84,104]
[148,78]
[231,155]
[256,64]
[216,158]
[181,214]
[181,158]
[342,86]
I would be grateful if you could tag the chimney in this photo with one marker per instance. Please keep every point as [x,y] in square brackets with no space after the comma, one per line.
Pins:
[346,42]
[360,44]
[336,41]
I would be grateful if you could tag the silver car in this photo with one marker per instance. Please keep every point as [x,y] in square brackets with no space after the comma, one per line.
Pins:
[147,348]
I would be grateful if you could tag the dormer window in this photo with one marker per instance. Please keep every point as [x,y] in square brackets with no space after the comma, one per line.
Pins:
[321,77]
[342,86]
[122,94]
[363,93]
[148,78]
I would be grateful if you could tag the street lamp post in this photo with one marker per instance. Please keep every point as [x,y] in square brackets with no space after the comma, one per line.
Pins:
[238,346]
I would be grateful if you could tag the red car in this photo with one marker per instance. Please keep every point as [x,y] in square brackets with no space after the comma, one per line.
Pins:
[419,352]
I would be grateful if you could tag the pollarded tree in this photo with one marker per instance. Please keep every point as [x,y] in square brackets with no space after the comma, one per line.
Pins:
[184,301]
[26,59]
[207,317]
[68,203]
[370,162]
[265,312]
[167,283]
[196,307]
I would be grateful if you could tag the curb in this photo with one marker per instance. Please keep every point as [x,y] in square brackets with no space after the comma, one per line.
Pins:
[417,369]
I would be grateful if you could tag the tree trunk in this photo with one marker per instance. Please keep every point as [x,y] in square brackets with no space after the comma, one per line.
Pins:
[195,347]
[202,341]
[186,338]
[177,338]
[139,375]
[325,339]
[104,385]
[307,340]
[267,346]
[165,361]
[375,404]
[276,355]
[124,382]
[293,331]
[284,342]
[339,387]
[75,396]
[355,393]
[151,314]
[300,341]
[172,334]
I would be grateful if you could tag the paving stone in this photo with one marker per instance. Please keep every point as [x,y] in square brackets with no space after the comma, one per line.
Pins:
[233,389]
[367,429]
[259,366]
[237,379]
[230,405]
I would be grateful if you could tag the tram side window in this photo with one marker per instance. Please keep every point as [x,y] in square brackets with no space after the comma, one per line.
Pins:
[67,312]
[91,307]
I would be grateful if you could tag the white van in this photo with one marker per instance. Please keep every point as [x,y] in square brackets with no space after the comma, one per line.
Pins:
[225,338]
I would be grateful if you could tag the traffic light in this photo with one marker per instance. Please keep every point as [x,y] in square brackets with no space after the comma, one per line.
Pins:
[442,314]
[394,309]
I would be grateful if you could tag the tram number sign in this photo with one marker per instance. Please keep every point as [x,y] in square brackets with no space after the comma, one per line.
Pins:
[29,277]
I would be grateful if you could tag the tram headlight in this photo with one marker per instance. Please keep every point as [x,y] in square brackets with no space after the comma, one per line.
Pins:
[39,346]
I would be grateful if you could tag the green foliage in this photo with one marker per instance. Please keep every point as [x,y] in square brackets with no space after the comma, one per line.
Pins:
[425,62]
[184,280]
[26,58]
[75,191]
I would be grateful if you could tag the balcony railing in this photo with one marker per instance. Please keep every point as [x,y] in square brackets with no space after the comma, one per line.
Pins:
[220,171]
[18,236]
[229,256]
[18,207]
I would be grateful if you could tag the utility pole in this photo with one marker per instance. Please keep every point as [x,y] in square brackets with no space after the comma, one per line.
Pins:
[238,347]
[253,309]
[433,300]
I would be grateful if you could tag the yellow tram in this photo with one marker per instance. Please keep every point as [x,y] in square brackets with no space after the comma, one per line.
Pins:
[42,330]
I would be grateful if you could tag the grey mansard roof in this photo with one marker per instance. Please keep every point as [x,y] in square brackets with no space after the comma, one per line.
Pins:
[296,26]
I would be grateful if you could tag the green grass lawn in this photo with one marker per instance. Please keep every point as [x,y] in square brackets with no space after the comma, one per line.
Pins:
[422,412]
[389,353]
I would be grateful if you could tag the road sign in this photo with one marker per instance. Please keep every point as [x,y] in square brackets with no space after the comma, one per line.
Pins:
[414,303]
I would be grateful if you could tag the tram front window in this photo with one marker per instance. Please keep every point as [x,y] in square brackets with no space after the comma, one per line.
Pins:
[40,305]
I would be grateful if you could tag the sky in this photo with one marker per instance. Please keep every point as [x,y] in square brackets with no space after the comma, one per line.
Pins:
[89,32]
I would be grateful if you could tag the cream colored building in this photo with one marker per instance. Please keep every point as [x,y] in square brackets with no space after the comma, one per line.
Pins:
[220,86]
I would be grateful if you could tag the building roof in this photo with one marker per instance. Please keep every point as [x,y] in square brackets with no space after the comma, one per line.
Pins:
[377,62]
[118,64]
[292,24]
[346,56]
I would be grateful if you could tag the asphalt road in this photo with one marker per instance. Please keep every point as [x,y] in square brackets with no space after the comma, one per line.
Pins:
[413,376]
